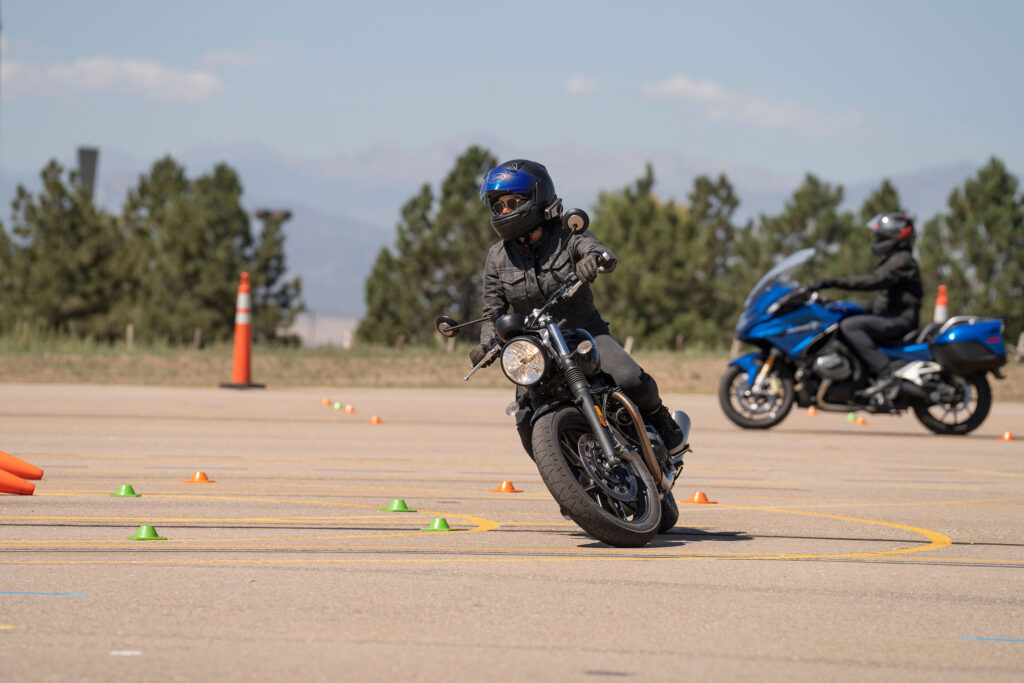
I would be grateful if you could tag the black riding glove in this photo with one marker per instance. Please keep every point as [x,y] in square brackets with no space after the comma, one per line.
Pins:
[822,284]
[477,353]
[586,268]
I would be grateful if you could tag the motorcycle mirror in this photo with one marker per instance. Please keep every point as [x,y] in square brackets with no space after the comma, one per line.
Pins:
[576,220]
[446,326]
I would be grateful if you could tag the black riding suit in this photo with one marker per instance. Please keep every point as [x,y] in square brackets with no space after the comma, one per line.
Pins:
[894,307]
[518,279]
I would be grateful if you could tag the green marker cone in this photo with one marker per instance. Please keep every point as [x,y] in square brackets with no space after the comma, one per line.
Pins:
[850,417]
[146,533]
[439,524]
[126,491]
[337,405]
[397,505]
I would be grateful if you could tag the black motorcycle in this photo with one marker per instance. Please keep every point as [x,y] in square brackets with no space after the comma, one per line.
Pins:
[608,470]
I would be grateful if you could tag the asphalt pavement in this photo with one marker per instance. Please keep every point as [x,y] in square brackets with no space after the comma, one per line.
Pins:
[833,550]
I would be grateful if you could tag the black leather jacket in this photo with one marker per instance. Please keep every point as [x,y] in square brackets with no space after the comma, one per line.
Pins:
[897,281]
[518,279]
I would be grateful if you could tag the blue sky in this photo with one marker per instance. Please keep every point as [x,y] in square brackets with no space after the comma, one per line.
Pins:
[850,90]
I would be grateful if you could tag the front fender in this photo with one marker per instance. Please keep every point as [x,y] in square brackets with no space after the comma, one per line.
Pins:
[747,363]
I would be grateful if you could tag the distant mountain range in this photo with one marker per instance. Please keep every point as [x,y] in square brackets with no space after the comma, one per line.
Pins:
[345,207]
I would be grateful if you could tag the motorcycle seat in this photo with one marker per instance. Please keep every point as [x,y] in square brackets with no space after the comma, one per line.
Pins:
[921,335]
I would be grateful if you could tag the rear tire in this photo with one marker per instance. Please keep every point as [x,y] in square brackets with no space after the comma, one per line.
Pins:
[750,411]
[628,524]
[946,419]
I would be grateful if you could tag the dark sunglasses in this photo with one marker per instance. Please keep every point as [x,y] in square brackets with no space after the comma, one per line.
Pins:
[512,203]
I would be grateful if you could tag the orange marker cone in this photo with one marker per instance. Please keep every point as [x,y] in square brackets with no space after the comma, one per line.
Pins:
[19,467]
[349,409]
[9,483]
[1007,436]
[506,487]
[325,401]
[812,411]
[860,421]
[375,420]
[701,498]
[199,478]
[941,306]
[240,368]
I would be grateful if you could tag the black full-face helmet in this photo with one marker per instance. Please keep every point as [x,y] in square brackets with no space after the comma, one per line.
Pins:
[891,231]
[535,201]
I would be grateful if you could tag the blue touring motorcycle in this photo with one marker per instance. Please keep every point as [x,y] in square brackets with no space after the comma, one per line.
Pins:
[804,359]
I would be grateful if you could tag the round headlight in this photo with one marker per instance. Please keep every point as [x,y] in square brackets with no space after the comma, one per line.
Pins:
[523,361]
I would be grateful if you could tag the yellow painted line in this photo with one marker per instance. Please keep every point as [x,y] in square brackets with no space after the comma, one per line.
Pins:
[275,520]
[954,487]
[936,541]
[4,627]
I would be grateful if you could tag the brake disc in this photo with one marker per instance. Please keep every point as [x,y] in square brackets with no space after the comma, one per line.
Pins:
[614,478]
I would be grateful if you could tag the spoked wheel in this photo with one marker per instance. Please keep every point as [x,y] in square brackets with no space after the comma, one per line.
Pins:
[611,499]
[960,413]
[755,410]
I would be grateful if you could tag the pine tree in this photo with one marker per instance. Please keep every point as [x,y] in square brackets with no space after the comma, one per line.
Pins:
[8,299]
[438,263]
[275,302]
[977,248]
[674,277]
[66,259]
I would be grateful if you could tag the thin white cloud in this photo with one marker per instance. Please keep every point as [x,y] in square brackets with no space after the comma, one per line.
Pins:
[231,58]
[105,74]
[723,105]
[580,85]
[687,88]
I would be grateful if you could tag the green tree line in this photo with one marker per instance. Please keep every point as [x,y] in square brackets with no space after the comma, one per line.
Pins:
[167,264]
[685,268]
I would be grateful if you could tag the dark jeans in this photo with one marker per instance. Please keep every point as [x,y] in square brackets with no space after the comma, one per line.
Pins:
[864,332]
[627,373]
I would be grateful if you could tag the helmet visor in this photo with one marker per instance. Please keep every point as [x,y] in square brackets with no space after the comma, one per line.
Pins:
[506,180]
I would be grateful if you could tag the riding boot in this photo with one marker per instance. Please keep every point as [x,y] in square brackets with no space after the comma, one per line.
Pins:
[670,433]
[883,380]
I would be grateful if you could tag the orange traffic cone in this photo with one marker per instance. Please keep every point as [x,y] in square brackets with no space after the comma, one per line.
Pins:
[374,420]
[1007,436]
[199,478]
[941,306]
[240,369]
[12,484]
[812,411]
[506,487]
[19,467]
[349,409]
[701,498]
[860,421]
[325,402]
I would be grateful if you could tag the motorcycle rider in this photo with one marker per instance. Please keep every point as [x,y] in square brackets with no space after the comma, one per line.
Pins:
[529,263]
[896,302]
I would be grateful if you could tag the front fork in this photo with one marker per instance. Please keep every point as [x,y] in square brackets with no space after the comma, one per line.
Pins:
[580,388]
[766,370]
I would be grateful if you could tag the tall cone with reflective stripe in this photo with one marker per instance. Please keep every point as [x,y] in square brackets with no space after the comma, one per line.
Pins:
[941,306]
[240,369]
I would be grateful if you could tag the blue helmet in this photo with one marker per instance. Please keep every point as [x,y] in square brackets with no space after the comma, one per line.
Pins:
[528,179]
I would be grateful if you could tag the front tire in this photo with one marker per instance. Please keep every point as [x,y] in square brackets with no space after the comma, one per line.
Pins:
[755,411]
[961,417]
[561,439]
